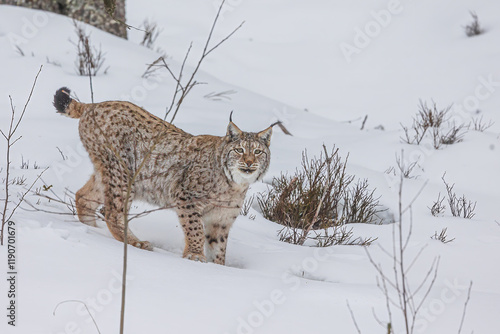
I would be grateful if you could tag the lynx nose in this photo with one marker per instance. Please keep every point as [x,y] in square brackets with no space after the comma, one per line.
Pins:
[249,163]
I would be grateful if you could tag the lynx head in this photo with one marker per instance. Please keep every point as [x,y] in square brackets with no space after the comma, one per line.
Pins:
[246,154]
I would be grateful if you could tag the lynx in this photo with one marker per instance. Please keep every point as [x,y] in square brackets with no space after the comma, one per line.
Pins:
[138,156]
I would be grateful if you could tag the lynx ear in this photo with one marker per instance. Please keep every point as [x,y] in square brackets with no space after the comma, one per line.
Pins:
[233,131]
[265,135]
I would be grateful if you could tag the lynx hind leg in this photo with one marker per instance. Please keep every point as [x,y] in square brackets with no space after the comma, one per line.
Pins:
[114,203]
[217,226]
[88,199]
[191,223]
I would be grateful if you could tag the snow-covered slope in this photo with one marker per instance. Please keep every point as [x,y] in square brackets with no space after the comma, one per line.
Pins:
[346,59]
[287,57]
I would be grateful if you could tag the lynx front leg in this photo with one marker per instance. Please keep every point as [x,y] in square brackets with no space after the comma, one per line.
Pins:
[88,199]
[190,219]
[217,228]
[115,196]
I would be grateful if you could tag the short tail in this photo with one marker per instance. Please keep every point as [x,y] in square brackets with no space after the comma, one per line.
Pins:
[64,104]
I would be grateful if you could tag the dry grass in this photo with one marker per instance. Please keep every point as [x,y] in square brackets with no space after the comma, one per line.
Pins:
[473,28]
[151,33]
[430,121]
[90,59]
[459,206]
[442,236]
[438,208]
[318,201]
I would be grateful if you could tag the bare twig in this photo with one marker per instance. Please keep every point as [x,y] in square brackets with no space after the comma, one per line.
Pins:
[473,28]
[427,119]
[23,195]
[459,206]
[20,51]
[182,90]
[224,95]
[306,231]
[403,293]
[62,154]
[406,169]
[71,210]
[86,307]
[403,171]
[151,33]
[408,207]
[131,181]
[364,122]
[478,124]
[438,207]
[89,59]
[353,317]
[465,308]
[283,128]
[152,68]
[110,6]
[408,300]
[442,236]
[9,138]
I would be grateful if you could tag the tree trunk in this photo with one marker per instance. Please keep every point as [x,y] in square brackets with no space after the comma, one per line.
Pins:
[89,11]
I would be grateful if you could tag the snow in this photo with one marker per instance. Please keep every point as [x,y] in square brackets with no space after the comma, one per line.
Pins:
[285,63]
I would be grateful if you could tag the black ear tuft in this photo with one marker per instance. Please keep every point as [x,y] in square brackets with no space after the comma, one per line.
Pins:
[62,99]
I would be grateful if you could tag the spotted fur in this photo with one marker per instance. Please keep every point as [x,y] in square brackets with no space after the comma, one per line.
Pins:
[139,156]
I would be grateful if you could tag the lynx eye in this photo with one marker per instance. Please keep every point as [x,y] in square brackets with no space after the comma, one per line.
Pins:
[239,150]
[257,152]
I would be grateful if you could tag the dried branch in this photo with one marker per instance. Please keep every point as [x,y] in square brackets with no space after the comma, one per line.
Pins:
[408,301]
[438,207]
[86,307]
[473,28]
[10,141]
[283,128]
[308,228]
[353,317]
[224,95]
[89,59]
[319,197]
[465,308]
[151,33]
[478,124]
[442,236]
[459,206]
[182,90]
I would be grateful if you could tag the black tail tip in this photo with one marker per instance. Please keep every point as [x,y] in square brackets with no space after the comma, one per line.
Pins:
[62,99]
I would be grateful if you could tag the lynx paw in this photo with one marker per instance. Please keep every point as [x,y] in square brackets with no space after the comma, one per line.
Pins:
[196,257]
[143,245]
